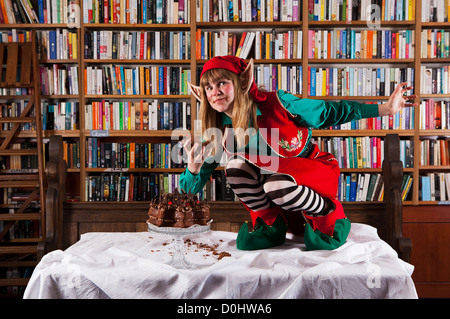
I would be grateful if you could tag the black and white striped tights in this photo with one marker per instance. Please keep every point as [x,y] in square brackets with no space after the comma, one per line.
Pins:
[261,191]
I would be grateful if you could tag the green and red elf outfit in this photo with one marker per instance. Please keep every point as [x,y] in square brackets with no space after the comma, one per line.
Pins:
[284,125]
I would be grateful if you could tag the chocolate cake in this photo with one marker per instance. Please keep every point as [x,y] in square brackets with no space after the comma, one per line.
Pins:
[178,210]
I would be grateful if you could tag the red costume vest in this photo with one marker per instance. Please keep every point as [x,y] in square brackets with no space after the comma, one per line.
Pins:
[279,129]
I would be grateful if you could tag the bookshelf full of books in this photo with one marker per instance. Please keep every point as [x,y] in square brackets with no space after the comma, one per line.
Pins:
[114,80]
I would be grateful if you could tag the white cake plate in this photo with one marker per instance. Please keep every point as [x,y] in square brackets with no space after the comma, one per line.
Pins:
[179,259]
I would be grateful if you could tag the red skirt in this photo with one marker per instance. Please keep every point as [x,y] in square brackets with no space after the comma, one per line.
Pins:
[318,171]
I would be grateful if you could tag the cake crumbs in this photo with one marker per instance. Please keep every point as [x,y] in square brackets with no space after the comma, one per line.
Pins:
[212,249]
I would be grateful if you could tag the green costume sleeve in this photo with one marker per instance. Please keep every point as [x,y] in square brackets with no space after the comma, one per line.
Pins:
[322,114]
[195,182]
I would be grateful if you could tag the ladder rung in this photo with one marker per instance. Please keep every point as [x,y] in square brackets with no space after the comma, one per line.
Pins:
[14,282]
[18,249]
[12,152]
[13,217]
[19,176]
[24,184]
[17,119]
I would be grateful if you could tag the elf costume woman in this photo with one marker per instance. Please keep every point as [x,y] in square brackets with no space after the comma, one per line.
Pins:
[272,165]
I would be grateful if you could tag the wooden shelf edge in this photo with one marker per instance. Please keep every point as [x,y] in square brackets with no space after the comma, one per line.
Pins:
[343,133]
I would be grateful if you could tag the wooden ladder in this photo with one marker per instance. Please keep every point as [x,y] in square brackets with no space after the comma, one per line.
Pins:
[21,72]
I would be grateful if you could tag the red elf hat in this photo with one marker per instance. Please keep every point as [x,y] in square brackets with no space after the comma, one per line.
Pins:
[237,66]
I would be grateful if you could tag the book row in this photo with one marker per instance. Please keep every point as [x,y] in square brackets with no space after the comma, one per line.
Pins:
[279,77]
[15,35]
[23,228]
[434,152]
[354,152]
[435,80]
[58,11]
[57,44]
[71,153]
[363,152]
[264,45]
[365,187]
[247,10]
[17,11]
[15,109]
[136,11]
[364,10]
[352,187]
[434,187]
[435,11]
[364,44]
[55,116]
[137,45]
[60,116]
[98,11]
[357,81]
[137,115]
[434,115]
[435,44]
[122,80]
[10,200]
[59,79]
[16,91]
[146,187]
[402,120]
[100,154]
[47,11]
[132,187]
[19,162]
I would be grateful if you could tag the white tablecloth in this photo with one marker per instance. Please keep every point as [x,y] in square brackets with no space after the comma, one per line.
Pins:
[133,265]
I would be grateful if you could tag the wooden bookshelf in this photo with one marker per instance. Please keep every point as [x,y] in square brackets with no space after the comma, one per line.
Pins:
[194,65]
[77,176]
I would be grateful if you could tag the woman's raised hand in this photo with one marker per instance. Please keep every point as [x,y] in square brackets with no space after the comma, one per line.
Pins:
[196,154]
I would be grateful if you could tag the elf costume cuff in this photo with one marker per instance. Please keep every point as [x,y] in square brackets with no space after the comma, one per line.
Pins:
[316,240]
[327,232]
[326,223]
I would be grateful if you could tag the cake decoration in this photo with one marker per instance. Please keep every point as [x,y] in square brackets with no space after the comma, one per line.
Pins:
[180,210]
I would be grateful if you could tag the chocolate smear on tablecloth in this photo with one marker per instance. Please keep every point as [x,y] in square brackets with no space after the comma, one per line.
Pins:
[208,248]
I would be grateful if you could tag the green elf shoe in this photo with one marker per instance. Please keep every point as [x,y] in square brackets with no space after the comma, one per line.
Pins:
[316,240]
[263,236]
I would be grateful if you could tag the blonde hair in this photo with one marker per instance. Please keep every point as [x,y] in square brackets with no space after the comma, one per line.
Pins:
[244,109]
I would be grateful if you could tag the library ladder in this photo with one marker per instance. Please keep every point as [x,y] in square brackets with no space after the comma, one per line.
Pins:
[23,203]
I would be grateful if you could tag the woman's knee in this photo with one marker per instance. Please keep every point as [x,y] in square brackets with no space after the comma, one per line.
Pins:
[237,167]
[276,182]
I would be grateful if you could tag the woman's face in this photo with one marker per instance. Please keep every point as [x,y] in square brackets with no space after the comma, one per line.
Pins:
[220,95]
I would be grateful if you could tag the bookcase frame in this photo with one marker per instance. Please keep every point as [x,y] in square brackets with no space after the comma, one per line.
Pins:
[415,135]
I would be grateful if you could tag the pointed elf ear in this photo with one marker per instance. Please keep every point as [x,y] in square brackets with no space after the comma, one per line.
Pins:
[246,77]
[196,90]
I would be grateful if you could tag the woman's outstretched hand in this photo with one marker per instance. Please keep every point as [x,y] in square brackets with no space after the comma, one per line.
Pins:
[397,100]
